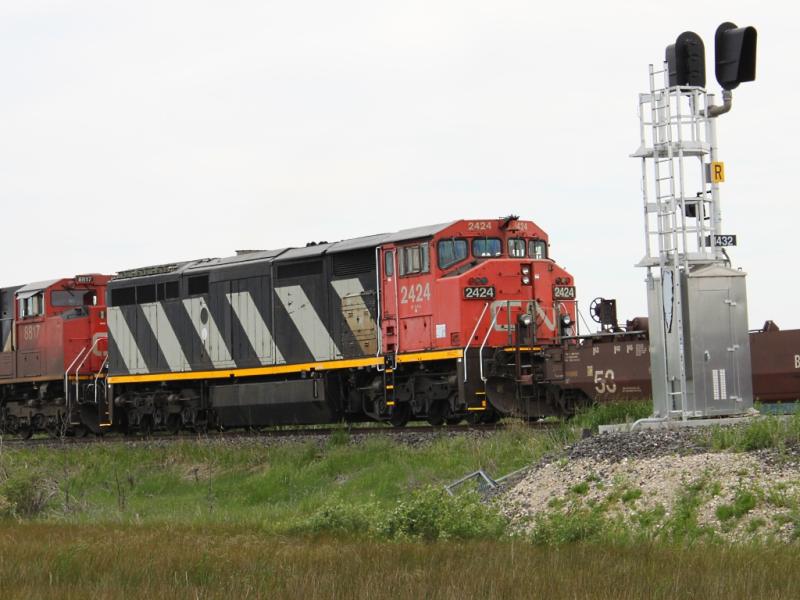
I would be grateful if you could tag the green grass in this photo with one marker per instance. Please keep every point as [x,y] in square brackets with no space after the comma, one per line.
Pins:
[288,487]
[743,503]
[762,432]
[607,413]
[68,561]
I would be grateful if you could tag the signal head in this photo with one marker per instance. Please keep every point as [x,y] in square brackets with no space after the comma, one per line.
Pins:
[735,55]
[686,60]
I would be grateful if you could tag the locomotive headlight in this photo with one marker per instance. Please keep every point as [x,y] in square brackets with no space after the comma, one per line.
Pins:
[526,280]
[526,270]
[525,320]
[566,321]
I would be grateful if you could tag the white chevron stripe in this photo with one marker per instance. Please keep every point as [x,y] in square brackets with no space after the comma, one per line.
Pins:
[167,340]
[215,347]
[254,326]
[308,323]
[353,290]
[349,287]
[128,348]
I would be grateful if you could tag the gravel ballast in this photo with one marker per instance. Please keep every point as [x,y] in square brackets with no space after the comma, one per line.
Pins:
[629,476]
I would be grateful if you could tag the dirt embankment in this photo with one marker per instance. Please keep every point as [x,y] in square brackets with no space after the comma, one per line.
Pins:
[648,481]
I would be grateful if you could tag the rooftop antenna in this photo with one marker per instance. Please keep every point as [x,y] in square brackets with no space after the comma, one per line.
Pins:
[697,304]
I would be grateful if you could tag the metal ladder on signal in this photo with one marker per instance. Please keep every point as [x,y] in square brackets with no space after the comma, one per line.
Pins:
[669,207]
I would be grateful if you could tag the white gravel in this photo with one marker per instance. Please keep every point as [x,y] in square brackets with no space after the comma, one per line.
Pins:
[626,487]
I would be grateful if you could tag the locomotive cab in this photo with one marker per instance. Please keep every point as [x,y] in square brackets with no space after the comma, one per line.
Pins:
[488,292]
[53,354]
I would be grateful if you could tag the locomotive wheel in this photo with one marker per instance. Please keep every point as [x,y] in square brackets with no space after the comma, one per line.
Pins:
[474,417]
[436,413]
[401,413]
[146,426]
[490,415]
[25,432]
[80,431]
[174,423]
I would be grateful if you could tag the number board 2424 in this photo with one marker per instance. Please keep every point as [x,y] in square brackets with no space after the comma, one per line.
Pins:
[563,292]
[479,292]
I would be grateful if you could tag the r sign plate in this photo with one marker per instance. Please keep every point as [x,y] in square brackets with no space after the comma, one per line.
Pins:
[563,292]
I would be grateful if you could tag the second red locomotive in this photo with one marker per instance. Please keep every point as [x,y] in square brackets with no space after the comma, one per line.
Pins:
[53,355]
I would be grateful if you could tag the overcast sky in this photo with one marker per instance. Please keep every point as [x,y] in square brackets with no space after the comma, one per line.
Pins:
[136,133]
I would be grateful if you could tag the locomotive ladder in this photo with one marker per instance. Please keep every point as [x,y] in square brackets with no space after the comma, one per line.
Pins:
[69,402]
[72,401]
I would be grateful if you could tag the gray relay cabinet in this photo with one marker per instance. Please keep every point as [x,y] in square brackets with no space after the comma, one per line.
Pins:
[716,344]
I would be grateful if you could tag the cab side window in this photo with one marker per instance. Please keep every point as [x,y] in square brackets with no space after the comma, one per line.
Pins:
[414,259]
[388,263]
[32,306]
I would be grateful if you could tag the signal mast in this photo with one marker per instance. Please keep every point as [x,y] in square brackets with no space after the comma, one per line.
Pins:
[697,303]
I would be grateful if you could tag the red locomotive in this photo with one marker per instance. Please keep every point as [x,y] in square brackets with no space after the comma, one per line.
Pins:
[53,354]
[439,323]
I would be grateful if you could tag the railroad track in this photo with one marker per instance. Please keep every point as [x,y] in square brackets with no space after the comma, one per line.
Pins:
[112,438]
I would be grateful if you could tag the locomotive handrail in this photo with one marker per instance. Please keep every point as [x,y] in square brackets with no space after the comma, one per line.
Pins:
[469,340]
[66,374]
[378,322]
[80,366]
[485,338]
[587,336]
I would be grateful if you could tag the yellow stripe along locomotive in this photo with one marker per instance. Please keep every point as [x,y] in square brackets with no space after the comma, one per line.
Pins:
[444,322]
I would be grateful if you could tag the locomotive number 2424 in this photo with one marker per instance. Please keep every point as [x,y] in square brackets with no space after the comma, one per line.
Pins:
[415,293]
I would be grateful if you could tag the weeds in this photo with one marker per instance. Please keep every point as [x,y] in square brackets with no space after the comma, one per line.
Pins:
[577,525]
[314,487]
[26,494]
[432,514]
[612,412]
[581,489]
[763,432]
[631,495]
[743,502]
[70,562]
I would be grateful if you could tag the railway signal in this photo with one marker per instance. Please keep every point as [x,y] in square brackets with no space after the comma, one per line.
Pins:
[697,304]
[686,59]
[735,55]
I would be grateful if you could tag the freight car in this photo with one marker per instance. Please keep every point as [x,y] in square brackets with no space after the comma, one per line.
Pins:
[53,336]
[614,364]
[442,323]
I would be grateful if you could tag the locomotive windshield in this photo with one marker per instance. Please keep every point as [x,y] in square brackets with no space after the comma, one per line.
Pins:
[486,247]
[537,249]
[61,298]
[451,251]
[516,248]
